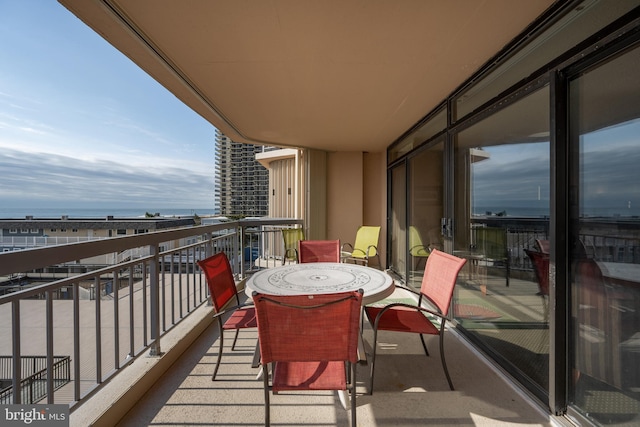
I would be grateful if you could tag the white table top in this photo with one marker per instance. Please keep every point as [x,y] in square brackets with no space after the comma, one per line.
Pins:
[322,278]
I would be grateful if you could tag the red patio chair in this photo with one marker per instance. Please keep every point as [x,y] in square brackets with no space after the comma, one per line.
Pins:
[440,274]
[222,288]
[311,342]
[540,262]
[319,251]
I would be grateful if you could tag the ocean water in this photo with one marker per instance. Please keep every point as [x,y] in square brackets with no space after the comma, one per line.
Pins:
[21,213]
[538,212]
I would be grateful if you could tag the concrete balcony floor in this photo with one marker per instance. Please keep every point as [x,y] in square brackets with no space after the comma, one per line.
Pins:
[410,390]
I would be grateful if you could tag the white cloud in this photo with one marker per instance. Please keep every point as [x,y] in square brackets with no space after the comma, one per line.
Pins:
[54,178]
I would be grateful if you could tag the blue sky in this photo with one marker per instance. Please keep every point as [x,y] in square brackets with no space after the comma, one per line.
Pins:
[82,126]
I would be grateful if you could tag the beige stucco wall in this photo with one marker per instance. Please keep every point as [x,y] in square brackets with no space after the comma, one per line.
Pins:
[356,194]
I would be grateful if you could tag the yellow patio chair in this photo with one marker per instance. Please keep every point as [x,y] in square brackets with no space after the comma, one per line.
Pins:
[364,248]
[291,237]
[416,248]
[491,244]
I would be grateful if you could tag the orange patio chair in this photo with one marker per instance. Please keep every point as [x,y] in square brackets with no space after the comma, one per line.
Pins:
[441,272]
[365,246]
[310,341]
[319,251]
[222,288]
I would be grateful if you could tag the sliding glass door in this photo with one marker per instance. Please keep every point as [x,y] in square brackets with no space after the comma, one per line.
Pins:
[605,252]
[501,222]
[426,206]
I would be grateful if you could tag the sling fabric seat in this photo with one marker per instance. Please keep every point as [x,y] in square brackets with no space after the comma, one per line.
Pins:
[222,288]
[438,282]
[311,341]
[319,251]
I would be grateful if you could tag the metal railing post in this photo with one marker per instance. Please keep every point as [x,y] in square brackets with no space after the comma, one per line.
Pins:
[240,242]
[17,355]
[154,300]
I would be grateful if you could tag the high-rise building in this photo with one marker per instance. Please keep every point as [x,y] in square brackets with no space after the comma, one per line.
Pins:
[242,183]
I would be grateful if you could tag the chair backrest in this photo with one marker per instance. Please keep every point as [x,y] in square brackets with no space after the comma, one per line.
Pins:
[492,242]
[543,246]
[440,274]
[366,240]
[291,237]
[222,286]
[540,261]
[319,251]
[307,328]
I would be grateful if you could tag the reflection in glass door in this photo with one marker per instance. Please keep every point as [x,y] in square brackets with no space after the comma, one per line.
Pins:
[501,223]
[605,224]
[398,220]
[426,209]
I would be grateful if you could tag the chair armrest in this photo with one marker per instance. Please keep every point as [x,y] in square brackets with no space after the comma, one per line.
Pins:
[408,289]
[232,308]
[375,250]
[402,304]
[346,245]
[397,287]
[286,252]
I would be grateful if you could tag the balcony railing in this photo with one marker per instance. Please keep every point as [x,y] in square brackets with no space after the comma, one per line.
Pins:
[61,301]
[35,377]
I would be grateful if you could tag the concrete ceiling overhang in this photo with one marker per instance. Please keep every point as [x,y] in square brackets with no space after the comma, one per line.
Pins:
[336,75]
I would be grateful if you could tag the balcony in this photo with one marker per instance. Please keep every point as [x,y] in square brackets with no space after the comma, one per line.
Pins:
[142,327]
[185,395]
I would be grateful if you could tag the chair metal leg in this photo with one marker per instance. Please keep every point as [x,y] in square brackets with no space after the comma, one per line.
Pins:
[424,345]
[373,360]
[215,370]
[267,408]
[444,363]
[235,339]
[353,394]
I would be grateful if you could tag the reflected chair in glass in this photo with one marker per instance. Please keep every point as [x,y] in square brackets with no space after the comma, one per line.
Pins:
[291,237]
[543,246]
[540,263]
[416,248]
[491,245]
[310,342]
[223,291]
[434,300]
[364,248]
[319,251]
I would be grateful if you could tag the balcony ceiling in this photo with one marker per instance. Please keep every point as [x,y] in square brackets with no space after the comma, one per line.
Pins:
[337,75]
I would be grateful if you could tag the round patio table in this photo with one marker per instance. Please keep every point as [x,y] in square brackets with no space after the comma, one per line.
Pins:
[322,278]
